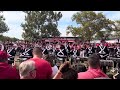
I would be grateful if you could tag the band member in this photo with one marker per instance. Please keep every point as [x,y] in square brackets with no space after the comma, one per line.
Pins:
[75,53]
[27,52]
[52,49]
[117,50]
[82,51]
[117,53]
[67,47]
[45,50]
[48,47]
[112,50]
[102,49]
[23,49]
[11,51]
[17,48]
[89,50]
[61,53]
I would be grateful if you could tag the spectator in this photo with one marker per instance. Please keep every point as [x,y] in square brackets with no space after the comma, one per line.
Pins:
[66,72]
[27,70]
[70,74]
[51,59]
[6,71]
[94,70]
[43,68]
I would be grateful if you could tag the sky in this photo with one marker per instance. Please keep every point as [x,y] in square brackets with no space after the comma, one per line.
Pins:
[14,19]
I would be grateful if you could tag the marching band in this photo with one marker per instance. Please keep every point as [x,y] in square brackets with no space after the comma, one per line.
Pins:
[64,51]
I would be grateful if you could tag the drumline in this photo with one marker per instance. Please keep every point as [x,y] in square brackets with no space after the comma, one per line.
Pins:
[81,57]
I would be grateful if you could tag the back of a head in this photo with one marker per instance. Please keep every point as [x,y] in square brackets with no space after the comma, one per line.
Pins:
[37,51]
[94,61]
[70,74]
[26,67]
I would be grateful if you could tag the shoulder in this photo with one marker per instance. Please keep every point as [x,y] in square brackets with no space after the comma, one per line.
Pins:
[84,75]
[13,73]
[45,62]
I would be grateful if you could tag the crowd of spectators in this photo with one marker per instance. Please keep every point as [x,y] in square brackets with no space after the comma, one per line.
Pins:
[45,68]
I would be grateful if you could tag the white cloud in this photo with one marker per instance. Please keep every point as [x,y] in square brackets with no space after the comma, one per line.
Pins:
[14,19]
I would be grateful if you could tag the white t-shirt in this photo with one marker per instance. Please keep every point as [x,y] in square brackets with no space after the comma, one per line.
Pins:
[54,70]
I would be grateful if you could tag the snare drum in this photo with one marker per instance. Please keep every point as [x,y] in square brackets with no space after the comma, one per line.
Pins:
[84,58]
[109,63]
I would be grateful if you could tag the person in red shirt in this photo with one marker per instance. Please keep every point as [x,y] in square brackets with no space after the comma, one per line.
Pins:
[94,70]
[7,71]
[43,67]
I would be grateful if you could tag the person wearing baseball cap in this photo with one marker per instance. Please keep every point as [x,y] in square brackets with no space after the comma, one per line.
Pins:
[6,71]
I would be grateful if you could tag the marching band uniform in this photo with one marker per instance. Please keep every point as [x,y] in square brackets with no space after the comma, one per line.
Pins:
[44,51]
[103,52]
[11,51]
[112,51]
[27,51]
[117,53]
[89,51]
[67,47]
[61,53]
[75,53]
[82,52]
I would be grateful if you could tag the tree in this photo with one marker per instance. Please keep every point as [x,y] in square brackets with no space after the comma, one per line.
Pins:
[91,25]
[117,31]
[3,25]
[5,38]
[40,24]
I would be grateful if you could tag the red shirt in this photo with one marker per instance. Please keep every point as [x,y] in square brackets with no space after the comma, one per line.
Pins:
[43,68]
[7,72]
[91,74]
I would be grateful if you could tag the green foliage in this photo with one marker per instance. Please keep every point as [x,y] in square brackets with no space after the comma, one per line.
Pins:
[91,25]
[5,38]
[3,26]
[40,24]
[117,31]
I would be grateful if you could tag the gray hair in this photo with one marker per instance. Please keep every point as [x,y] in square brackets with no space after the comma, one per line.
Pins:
[26,67]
